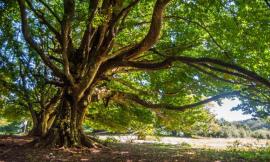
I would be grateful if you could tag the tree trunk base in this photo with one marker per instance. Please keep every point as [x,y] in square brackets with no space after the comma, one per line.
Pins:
[54,140]
[66,129]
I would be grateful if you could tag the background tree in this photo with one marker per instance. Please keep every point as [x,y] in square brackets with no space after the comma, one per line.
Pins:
[27,94]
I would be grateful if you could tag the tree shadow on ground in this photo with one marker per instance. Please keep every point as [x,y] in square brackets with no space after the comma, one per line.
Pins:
[12,148]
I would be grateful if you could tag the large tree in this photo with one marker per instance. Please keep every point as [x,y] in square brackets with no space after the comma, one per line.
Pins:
[115,52]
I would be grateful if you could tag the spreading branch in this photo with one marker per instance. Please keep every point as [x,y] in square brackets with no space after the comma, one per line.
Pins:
[167,62]
[121,96]
[213,75]
[69,11]
[51,11]
[87,37]
[43,20]
[153,34]
[32,43]
[199,25]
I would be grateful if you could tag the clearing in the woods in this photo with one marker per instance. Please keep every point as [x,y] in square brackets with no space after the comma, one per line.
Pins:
[12,148]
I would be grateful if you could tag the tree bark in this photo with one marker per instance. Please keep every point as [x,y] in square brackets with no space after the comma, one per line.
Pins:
[42,125]
[43,120]
[66,129]
[35,131]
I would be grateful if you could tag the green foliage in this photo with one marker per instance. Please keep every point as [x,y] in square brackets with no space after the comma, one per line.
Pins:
[10,128]
[261,134]
[111,140]
[22,74]
[237,154]
[185,145]
[119,118]
[249,152]
[142,122]
[190,122]
[241,129]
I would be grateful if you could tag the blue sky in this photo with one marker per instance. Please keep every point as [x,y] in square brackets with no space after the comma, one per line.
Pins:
[224,111]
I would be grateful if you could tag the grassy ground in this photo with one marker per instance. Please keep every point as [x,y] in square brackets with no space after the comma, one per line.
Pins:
[12,149]
[195,142]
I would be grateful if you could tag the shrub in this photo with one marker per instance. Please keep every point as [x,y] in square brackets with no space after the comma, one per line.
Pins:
[111,140]
[185,145]
[261,134]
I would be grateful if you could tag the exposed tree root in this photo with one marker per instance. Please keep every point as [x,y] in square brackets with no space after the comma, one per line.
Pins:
[5,152]
[53,140]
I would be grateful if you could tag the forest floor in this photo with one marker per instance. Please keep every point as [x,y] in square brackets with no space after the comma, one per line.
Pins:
[12,149]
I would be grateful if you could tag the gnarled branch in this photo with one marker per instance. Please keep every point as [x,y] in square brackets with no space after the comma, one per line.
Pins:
[44,21]
[69,11]
[51,11]
[153,34]
[32,43]
[167,62]
[134,98]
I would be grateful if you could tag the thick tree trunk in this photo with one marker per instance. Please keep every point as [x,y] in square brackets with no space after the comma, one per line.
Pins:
[66,130]
[36,131]
[42,121]
[42,125]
